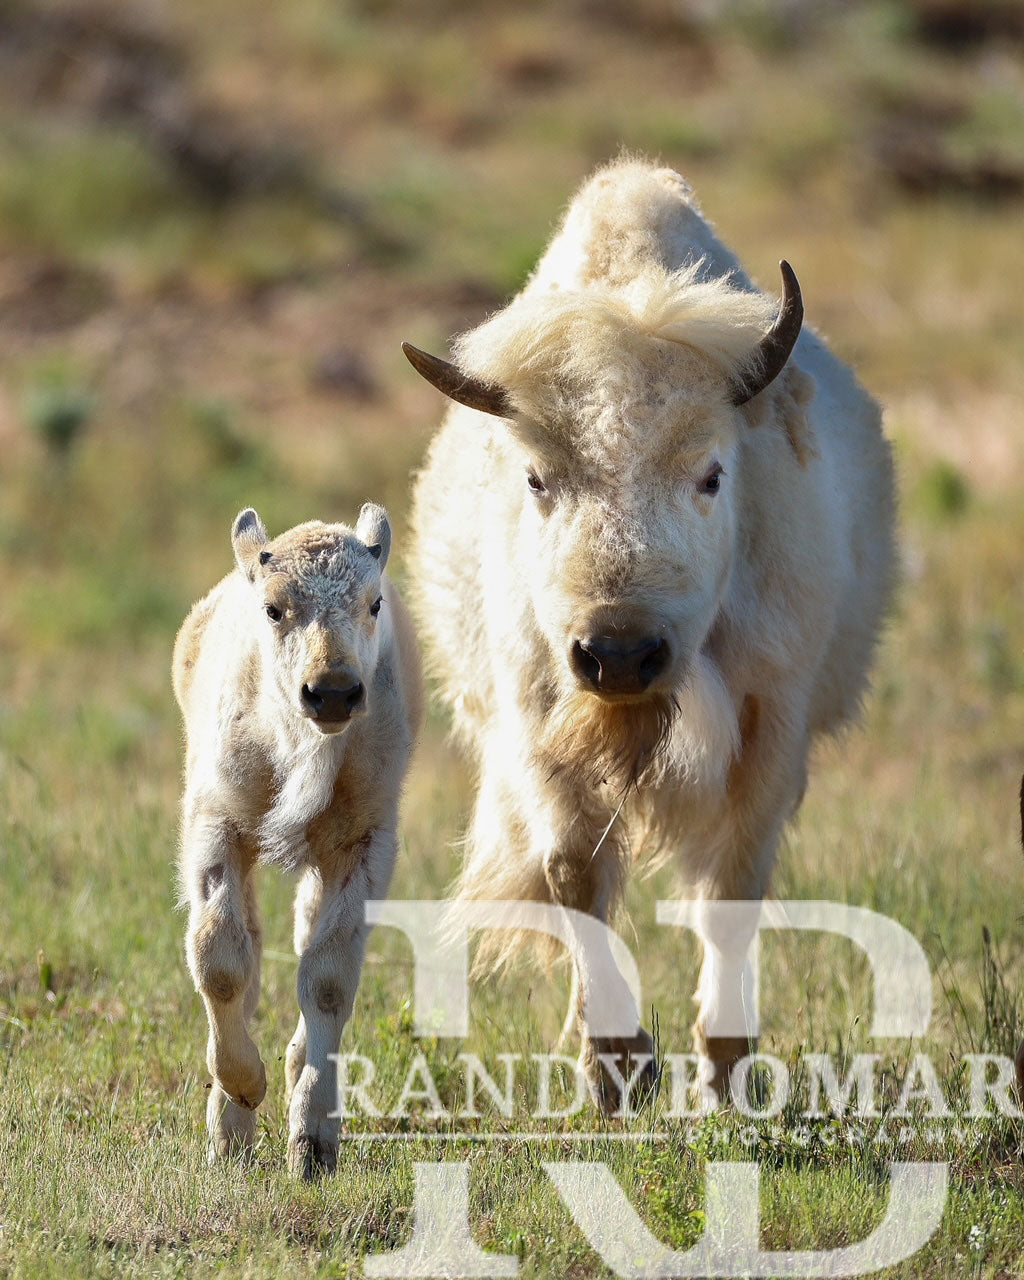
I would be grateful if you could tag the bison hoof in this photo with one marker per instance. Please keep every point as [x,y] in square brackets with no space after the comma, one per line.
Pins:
[723,1053]
[310,1157]
[605,1089]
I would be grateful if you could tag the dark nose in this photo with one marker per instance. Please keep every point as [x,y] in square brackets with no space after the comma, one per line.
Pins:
[332,703]
[621,663]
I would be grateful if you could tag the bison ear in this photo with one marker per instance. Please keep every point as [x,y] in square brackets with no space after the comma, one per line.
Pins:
[785,407]
[457,385]
[249,538]
[374,529]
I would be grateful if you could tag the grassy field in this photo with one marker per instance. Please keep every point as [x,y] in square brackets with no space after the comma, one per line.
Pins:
[216,224]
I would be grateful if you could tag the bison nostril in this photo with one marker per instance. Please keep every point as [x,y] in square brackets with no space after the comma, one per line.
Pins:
[653,663]
[585,664]
[619,663]
[331,703]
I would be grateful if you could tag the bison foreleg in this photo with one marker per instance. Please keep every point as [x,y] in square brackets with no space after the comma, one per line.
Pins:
[764,789]
[588,884]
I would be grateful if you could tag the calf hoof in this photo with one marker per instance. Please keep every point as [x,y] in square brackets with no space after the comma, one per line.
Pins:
[230,1129]
[604,1088]
[310,1157]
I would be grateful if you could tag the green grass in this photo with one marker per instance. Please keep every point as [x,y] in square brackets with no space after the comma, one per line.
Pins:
[62,188]
[188,382]
[101,1140]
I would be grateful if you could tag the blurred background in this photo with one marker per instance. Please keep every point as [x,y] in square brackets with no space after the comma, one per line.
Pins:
[218,220]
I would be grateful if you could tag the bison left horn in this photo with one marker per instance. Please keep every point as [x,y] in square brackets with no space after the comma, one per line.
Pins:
[775,347]
[457,385]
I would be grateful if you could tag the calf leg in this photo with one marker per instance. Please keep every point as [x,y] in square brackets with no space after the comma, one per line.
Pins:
[223,945]
[308,901]
[328,977]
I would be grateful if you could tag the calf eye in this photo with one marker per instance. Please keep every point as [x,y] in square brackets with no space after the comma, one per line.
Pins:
[536,484]
[375,607]
[712,482]
[273,613]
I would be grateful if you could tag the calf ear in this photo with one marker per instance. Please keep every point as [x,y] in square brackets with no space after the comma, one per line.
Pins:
[248,538]
[374,529]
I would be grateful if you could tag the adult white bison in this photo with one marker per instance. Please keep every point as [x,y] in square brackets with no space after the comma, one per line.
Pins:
[653,548]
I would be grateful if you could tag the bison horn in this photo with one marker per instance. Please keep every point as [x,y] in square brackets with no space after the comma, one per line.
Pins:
[457,385]
[774,348]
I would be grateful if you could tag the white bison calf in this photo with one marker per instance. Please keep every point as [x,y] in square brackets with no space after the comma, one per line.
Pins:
[298,679]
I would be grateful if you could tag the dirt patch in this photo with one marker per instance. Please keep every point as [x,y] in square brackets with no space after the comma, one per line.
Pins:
[47,295]
[958,26]
[924,165]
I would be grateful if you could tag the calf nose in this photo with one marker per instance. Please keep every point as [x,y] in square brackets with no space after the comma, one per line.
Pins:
[332,703]
[620,663]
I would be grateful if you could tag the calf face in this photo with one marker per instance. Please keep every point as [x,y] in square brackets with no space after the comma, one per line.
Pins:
[316,596]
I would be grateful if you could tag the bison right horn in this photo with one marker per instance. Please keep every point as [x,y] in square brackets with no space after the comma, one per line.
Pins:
[775,347]
[457,385]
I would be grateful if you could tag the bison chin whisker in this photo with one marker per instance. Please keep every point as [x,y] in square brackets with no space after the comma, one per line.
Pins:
[591,741]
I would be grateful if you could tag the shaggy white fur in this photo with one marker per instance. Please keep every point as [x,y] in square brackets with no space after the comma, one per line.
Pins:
[627,495]
[267,780]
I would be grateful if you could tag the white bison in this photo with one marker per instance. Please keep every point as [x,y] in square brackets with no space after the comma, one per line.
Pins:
[653,549]
[298,679]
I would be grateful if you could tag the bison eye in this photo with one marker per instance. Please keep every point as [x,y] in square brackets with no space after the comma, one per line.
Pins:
[273,613]
[712,482]
[536,484]
[375,607]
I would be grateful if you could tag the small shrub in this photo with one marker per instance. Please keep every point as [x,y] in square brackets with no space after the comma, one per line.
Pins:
[57,410]
[943,492]
[215,424]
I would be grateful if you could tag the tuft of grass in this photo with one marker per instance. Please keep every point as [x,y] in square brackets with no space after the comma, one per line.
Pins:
[998,659]
[942,492]
[57,408]
[215,423]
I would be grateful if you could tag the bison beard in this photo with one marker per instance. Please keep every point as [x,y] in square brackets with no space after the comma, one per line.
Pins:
[592,741]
